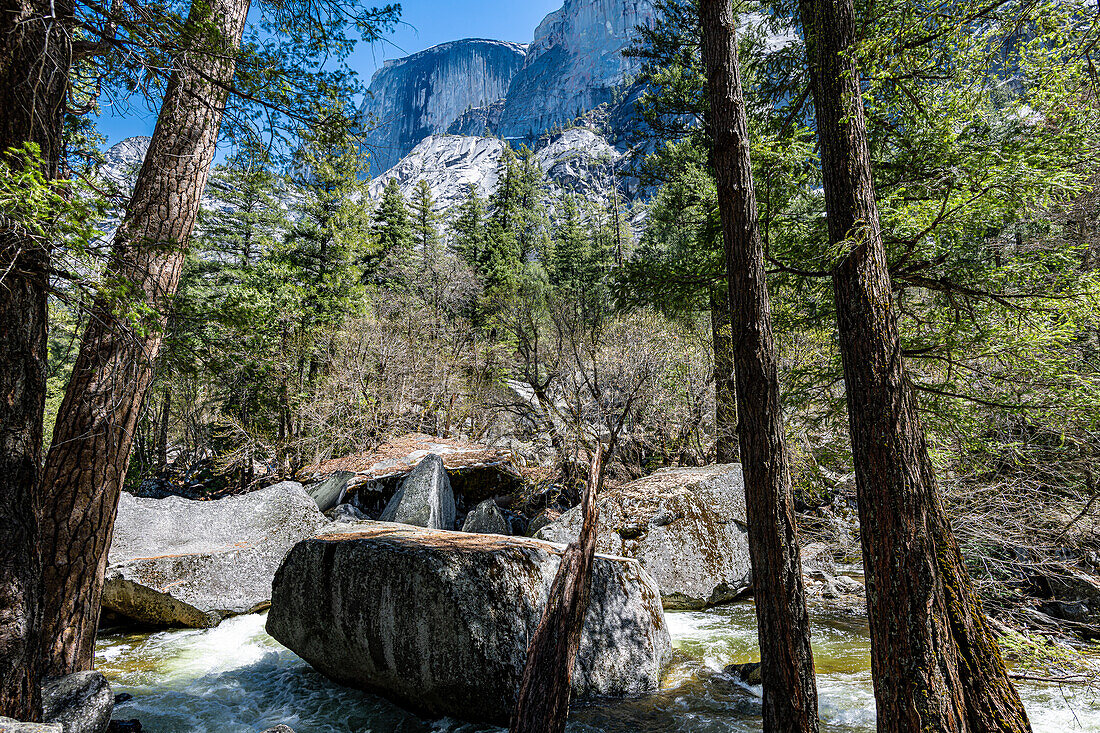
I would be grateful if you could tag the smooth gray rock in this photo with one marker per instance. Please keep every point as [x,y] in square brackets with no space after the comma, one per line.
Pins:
[176,562]
[686,526]
[330,492]
[348,513]
[81,702]
[486,518]
[439,621]
[425,498]
[8,725]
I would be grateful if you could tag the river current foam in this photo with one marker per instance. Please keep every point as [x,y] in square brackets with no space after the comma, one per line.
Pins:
[236,679]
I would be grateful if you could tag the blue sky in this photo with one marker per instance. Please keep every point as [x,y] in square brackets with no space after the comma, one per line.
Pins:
[424,23]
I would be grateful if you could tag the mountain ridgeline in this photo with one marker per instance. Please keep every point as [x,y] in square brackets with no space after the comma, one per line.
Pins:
[479,87]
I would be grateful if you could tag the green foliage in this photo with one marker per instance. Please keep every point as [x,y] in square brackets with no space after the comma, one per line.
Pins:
[976,154]
[47,211]
[425,222]
[393,237]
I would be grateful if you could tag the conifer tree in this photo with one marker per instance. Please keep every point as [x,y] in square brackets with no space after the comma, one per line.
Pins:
[425,222]
[393,231]
[468,227]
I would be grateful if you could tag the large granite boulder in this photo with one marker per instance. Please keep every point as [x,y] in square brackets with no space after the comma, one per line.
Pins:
[686,526]
[330,492]
[81,702]
[477,472]
[439,621]
[425,498]
[176,562]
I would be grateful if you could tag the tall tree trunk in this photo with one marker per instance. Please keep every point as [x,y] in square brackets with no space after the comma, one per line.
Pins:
[935,664]
[542,705]
[725,395]
[90,452]
[35,48]
[162,432]
[786,660]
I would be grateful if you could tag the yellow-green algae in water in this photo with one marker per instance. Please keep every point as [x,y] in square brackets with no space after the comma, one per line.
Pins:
[237,679]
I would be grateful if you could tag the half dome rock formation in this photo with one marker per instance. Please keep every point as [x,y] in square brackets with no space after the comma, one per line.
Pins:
[440,621]
[573,65]
[480,87]
[423,94]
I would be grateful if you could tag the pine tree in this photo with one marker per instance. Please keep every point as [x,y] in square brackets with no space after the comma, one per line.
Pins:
[468,227]
[393,232]
[425,222]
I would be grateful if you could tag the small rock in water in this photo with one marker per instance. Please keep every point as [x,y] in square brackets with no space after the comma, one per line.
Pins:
[749,673]
[80,702]
[486,518]
[425,498]
[125,726]
[123,697]
[280,729]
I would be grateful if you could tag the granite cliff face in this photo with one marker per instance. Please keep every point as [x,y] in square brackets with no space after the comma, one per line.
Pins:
[425,93]
[573,65]
[481,88]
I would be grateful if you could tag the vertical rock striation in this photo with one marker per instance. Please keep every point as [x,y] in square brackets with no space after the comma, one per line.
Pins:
[573,65]
[423,94]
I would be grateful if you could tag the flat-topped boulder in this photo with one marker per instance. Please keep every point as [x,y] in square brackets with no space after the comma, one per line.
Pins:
[476,471]
[686,526]
[439,621]
[177,562]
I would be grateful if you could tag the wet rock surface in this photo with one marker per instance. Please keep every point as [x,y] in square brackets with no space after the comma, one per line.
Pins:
[81,702]
[439,621]
[686,526]
[176,562]
[9,725]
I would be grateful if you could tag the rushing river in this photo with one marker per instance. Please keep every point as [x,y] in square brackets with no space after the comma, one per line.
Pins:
[237,679]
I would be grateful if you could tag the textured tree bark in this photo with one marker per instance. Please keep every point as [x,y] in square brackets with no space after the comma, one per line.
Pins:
[786,660]
[35,48]
[934,662]
[542,705]
[90,451]
[725,395]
